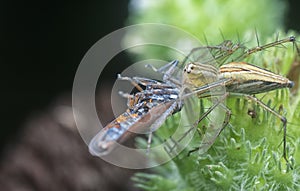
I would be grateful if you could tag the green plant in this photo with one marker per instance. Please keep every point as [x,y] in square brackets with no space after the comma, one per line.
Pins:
[248,153]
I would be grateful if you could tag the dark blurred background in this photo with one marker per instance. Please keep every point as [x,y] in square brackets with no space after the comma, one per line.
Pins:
[292,16]
[42,43]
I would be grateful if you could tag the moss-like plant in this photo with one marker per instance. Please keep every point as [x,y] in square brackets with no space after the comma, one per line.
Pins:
[247,155]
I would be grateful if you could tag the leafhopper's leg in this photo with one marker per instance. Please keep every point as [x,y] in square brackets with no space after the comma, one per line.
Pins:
[130,99]
[282,118]
[134,83]
[168,74]
[125,95]
[167,71]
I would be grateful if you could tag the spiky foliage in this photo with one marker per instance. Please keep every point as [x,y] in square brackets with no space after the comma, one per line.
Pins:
[248,153]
